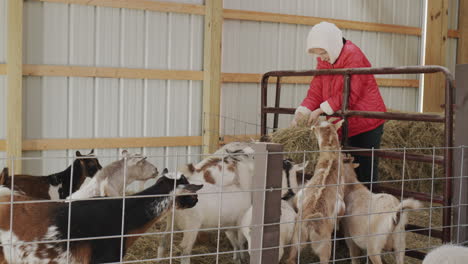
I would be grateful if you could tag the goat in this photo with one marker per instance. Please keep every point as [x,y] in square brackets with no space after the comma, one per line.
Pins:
[55,186]
[287,220]
[110,180]
[321,201]
[386,218]
[288,215]
[217,175]
[447,254]
[89,219]
[232,164]
[234,202]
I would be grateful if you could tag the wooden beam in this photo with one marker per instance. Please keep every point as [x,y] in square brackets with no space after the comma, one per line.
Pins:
[147,5]
[436,38]
[212,74]
[14,70]
[257,77]
[453,33]
[462,56]
[161,6]
[132,73]
[108,72]
[87,143]
[235,138]
[310,21]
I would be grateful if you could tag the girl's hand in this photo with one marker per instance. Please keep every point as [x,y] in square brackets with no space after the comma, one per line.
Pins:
[314,115]
[298,116]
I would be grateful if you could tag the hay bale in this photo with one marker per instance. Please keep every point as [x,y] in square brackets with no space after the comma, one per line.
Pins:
[298,140]
[410,134]
[397,134]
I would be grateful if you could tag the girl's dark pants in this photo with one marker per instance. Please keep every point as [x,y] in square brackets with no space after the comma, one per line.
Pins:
[367,140]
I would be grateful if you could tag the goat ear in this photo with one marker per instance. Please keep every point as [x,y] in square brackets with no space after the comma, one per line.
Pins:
[141,160]
[165,171]
[4,176]
[339,124]
[332,119]
[187,169]
[91,152]
[301,166]
[355,165]
[193,188]
[78,153]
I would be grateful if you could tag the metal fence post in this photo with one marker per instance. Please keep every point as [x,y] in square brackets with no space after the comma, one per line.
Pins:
[460,219]
[266,204]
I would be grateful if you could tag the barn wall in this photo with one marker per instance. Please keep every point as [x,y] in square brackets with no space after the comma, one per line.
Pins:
[451,54]
[61,107]
[258,47]
[2,77]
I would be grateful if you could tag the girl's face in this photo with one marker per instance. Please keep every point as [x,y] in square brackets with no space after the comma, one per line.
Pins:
[322,53]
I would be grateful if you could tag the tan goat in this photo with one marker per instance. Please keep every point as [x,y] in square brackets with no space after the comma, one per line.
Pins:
[321,200]
[368,215]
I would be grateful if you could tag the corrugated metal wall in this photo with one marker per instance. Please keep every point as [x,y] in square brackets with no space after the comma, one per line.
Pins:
[257,47]
[61,107]
[451,58]
[2,77]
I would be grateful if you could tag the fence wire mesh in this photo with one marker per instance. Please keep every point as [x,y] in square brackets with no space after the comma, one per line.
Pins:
[117,224]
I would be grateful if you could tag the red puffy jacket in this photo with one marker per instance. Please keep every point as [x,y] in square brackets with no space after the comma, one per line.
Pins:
[364,92]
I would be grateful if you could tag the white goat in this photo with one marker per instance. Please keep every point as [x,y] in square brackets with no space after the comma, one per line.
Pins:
[386,218]
[288,217]
[447,254]
[231,175]
[109,181]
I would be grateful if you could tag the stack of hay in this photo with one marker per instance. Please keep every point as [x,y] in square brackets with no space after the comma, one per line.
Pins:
[397,134]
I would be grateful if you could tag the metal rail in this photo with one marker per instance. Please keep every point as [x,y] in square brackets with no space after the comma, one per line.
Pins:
[446,160]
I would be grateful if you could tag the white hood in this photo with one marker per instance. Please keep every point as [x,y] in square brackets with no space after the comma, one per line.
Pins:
[326,36]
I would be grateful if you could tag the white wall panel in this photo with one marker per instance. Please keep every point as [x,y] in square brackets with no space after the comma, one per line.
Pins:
[56,33]
[100,107]
[3,106]
[3,25]
[82,35]
[258,47]
[108,40]
[383,11]
[451,54]
[81,108]
[33,33]
[453,14]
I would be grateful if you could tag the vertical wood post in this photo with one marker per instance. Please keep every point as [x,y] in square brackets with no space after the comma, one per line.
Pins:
[266,205]
[212,74]
[436,38]
[460,186]
[14,81]
[462,54]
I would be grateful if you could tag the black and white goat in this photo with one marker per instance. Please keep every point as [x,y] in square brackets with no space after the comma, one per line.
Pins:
[91,218]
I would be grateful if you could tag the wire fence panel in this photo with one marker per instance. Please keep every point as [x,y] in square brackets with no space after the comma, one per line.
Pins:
[244,203]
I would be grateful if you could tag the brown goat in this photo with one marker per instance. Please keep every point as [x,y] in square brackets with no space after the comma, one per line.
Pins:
[321,200]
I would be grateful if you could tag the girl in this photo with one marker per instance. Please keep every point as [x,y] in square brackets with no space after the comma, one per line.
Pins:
[326,92]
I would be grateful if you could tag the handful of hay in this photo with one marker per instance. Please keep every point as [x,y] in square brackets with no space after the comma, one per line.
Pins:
[397,134]
[298,140]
